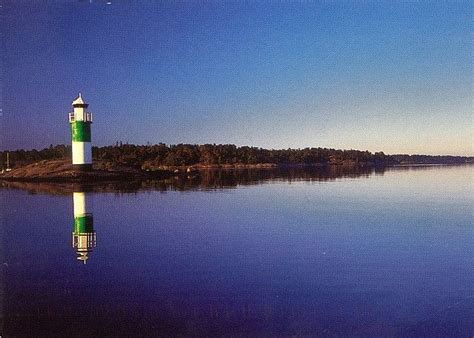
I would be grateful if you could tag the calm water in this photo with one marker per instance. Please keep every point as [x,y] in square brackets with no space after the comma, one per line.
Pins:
[304,252]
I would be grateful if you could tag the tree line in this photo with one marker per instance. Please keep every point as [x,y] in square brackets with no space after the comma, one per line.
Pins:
[158,155]
[432,159]
[151,156]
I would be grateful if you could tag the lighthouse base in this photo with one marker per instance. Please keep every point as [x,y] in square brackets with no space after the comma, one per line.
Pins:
[82,167]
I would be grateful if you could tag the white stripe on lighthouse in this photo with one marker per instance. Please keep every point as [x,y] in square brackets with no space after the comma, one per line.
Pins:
[79,204]
[81,152]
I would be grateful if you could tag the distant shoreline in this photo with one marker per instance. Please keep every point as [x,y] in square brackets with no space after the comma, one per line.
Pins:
[144,159]
[61,171]
[128,162]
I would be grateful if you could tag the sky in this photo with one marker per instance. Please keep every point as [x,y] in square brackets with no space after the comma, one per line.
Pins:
[392,76]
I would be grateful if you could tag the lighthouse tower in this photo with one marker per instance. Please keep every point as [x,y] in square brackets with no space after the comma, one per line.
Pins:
[83,235]
[80,121]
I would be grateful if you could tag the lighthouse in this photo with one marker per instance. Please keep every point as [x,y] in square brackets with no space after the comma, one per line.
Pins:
[80,121]
[83,235]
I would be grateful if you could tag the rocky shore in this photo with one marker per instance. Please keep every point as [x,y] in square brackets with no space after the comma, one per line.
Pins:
[63,171]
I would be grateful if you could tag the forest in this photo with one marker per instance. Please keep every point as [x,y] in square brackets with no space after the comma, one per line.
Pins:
[151,157]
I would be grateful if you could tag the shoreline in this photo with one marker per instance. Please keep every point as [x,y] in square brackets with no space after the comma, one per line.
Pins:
[60,171]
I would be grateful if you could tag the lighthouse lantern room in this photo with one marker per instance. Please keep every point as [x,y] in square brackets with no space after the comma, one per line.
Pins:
[80,121]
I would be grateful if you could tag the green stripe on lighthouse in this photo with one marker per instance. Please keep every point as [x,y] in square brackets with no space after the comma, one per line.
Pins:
[81,131]
[83,224]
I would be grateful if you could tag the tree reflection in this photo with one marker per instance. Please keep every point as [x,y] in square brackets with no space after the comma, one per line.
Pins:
[209,179]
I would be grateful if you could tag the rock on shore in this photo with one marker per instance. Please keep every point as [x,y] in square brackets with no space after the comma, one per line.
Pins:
[63,171]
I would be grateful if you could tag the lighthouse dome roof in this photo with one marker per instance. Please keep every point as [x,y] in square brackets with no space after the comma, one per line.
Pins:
[79,101]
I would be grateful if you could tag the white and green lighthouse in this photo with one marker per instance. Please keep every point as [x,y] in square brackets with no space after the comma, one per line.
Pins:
[83,235]
[80,121]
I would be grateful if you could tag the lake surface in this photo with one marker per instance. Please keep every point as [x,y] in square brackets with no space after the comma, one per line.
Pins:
[315,252]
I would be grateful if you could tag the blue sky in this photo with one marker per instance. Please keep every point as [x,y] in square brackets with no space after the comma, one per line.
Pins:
[394,76]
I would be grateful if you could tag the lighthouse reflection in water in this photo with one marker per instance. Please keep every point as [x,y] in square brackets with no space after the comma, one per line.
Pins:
[83,235]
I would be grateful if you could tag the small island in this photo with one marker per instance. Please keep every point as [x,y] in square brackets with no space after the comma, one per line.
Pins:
[81,162]
[139,162]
